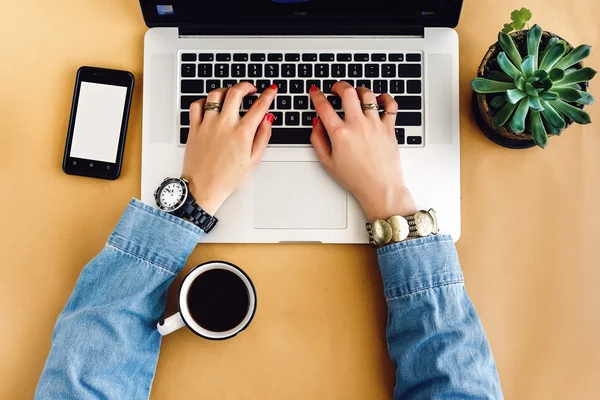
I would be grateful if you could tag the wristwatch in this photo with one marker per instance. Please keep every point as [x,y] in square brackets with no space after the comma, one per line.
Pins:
[174,196]
[397,228]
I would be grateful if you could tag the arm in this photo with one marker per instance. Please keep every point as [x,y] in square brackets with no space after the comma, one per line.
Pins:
[105,343]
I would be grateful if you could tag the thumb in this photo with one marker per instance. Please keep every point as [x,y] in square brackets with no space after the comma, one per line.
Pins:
[261,139]
[321,143]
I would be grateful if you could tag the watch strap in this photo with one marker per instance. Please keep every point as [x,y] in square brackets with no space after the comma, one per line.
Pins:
[197,216]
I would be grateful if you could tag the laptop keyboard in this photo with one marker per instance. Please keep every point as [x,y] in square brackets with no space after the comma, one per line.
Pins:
[399,74]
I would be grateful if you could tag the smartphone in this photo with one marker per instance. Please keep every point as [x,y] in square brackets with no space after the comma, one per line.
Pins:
[98,123]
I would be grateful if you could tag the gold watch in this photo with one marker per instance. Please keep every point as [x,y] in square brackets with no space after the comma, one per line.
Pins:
[396,229]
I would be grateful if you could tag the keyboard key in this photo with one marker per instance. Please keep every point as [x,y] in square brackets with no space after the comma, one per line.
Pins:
[258,57]
[183,135]
[326,57]
[408,119]
[292,118]
[397,86]
[388,70]
[322,71]
[223,57]
[310,83]
[408,102]
[307,118]
[272,71]
[284,102]
[275,57]
[355,70]
[335,101]
[344,57]
[300,102]
[327,85]
[361,57]
[372,71]
[309,57]
[378,57]
[206,57]
[409,70]
[349,81]
[205,70]
[292,57]
[240,57]
[222,71]
[296,86]
[212,84]
[380,86]
[184,118]
[414,139]
[400,135]
[255,70]
[186,101]
[298,135]
[282,85]
[340,114]
[248,101]
[363,83]
[228,83]
[396,57]
[288,70]
[305,71]
[262,85]
[413,57]
[413,86]
[243,113]
[192,86]
[188,57]
[188,70]
[238,70]
[278,121]
[338,70]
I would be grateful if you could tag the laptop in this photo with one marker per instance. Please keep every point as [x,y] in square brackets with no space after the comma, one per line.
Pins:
[405,48]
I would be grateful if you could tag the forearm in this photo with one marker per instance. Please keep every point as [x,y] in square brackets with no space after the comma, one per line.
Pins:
[435,337]
[105,343]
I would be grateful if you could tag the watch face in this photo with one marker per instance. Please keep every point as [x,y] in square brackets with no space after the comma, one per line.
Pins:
[171,194]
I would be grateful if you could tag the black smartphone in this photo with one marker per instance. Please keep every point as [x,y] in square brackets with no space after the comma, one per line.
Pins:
[98,123]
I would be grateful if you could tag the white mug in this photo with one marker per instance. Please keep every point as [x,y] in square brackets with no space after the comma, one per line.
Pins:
[183,317]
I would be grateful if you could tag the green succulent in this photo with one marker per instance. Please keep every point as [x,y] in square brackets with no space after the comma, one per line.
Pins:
[543,86]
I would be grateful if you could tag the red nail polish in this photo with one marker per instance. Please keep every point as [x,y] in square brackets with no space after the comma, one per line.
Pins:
[270,118]
[313,88]
[315,121]
[274,86]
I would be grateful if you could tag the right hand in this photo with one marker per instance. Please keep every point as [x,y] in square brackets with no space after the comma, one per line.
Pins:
[361,152]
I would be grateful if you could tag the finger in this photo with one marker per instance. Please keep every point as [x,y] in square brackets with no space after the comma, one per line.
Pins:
[367,97]
[215,96]
[349,98]
[261,139]
[197,112]
[323,107]
[257,112]
[234,97]
[389,106]
[321,143]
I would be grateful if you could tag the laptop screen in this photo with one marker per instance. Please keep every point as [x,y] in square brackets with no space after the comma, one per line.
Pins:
[300,16]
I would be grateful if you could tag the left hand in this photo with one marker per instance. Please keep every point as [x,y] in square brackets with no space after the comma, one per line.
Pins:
[223,148]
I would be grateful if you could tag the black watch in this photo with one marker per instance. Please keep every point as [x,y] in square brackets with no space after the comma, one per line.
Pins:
[174,196]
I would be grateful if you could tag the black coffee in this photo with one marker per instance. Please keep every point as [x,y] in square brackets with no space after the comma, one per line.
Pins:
[218,300]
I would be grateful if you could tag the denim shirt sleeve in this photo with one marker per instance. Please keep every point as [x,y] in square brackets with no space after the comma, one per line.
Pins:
[105,343]
[434,335]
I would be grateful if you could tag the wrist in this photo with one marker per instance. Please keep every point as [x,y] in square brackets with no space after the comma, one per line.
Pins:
[209,202]
[386,203]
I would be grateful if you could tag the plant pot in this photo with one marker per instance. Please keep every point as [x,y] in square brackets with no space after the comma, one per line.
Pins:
[484,114]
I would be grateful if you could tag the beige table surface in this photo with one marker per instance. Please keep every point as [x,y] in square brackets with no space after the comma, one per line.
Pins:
[530,247]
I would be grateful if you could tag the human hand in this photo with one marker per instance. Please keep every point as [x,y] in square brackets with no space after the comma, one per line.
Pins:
[361,151]
[223,148]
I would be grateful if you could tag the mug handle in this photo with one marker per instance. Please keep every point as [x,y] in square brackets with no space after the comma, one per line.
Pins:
[171,324]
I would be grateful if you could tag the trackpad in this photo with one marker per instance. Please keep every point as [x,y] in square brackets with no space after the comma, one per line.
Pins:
[297,195]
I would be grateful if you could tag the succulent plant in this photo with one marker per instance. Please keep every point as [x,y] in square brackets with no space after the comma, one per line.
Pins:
[543,86]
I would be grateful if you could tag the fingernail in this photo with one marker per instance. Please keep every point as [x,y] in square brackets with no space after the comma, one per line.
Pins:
[274,86]
[315,121]
[270,118]
[313,88]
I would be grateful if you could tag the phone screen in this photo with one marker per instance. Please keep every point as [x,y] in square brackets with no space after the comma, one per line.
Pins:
[97,127]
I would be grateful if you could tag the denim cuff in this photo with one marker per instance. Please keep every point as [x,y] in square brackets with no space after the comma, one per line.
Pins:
[419,264]
[155,236]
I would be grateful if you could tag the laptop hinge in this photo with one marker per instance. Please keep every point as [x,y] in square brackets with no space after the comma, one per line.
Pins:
[314,30]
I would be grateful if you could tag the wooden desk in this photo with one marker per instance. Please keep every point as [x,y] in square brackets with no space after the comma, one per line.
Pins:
[530,247]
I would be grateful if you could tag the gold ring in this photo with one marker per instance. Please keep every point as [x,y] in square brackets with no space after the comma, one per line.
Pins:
[370,107]
[390,113]
[213,107]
